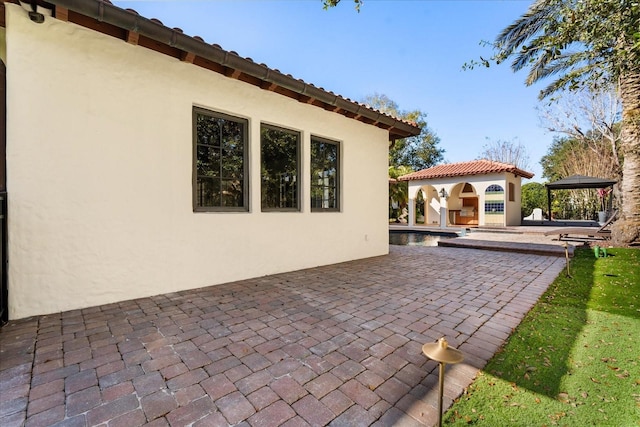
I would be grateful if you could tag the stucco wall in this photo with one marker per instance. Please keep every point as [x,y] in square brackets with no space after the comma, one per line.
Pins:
[99,154]
[513,211]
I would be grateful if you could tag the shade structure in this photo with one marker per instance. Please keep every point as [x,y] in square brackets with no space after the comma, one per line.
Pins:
[575,182]
[580,181]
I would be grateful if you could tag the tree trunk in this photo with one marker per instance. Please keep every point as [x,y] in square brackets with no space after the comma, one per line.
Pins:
[626,230]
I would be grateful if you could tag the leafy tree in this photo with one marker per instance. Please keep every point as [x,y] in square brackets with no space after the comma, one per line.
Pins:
[406,155]
[534,195]
[331,3]
[417,152]
[398,192]
[557,154]
[585,156]
[506,152]
[581,44]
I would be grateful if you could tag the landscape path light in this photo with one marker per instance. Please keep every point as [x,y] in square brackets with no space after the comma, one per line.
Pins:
[440,352]
[566,254]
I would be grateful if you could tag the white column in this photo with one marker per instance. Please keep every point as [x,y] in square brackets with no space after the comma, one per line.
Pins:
[444,212]
[412,212]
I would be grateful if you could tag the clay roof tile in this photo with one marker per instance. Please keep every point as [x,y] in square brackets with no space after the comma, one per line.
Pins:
[474,167]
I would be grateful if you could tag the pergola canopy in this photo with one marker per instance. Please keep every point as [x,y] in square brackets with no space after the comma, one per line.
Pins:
[575,182]
[580,181]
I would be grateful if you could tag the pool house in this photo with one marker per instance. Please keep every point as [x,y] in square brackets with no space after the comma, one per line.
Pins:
[467,194]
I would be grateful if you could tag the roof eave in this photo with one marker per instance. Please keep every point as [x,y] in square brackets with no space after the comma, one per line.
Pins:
[517,172]
[234,65]
[523,173]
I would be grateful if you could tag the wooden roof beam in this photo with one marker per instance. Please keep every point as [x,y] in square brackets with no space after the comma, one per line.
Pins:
[270,86]
[233,73]
[62,14]
[333,108]
[133,37]
[188,57]
[305,99]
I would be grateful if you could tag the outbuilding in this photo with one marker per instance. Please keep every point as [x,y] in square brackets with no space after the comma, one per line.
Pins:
[466,194]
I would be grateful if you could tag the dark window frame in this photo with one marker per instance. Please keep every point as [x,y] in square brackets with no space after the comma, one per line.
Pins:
[245,161]
[298,174]
[337,189]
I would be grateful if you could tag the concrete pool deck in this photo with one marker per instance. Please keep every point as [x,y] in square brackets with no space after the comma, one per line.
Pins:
[335,345]
[520,239]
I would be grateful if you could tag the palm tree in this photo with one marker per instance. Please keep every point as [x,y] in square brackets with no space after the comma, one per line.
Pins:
[587,43]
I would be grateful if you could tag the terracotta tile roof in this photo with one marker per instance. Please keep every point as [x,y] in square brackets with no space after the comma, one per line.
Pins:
[127,24]
[474,167]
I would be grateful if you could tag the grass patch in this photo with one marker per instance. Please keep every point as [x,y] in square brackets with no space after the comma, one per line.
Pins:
[575,358]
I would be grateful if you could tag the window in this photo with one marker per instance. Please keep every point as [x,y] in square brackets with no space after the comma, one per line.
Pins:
[494,201]
[280,160]
[324,175]
[494,208]
[220,162]
[468,188]
[512,192]
[494,189]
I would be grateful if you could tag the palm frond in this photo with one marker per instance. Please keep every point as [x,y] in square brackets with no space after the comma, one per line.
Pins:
[572,80]
[562,64]
[526,56]
[538,69]
[526,27]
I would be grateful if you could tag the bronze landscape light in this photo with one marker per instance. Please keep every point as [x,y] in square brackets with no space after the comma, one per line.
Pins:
[566,254]
[443,354]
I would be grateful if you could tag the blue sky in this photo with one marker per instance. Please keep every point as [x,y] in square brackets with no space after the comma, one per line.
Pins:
[410,50]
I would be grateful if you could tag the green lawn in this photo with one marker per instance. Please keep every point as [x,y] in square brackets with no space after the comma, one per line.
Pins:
[575,358]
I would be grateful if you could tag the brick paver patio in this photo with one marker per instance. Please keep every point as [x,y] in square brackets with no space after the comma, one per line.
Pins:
[337,345]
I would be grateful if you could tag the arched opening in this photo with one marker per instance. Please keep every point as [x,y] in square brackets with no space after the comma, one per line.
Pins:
[420,207]
[428,206]
[463,205]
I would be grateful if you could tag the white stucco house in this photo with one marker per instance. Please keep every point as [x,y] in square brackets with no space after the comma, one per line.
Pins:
[141,161]
[466,194]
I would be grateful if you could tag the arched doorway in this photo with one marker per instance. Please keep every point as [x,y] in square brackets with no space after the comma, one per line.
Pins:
[420,207]
[463,205]
[428,206]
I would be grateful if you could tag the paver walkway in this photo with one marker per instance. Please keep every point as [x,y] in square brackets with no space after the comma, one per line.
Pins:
[336,345]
